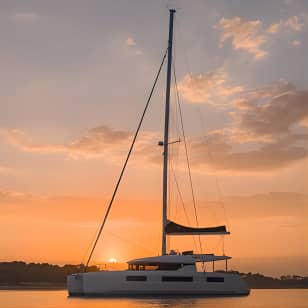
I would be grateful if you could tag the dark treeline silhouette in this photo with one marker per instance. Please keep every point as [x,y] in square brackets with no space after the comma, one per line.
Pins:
[259,281]
[18,272]
[21,273]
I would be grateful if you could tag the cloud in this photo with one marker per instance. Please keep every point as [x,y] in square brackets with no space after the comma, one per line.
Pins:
[269,157]
[249,35]
[211,88]
[245,35]
[26,17]
[268,123]
[293,23]
[130,41]
[42,206]
[99,142]
[273,113]
[68,207]
[16,197]
[96,142]
[268,132]
[290,204]
[132,44]
[273,28]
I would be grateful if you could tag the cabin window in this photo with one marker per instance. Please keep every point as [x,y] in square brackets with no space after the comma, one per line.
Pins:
[156,267]
[151,267]
[136,278]
[169,266]
[134,267]
[177,278]
[215,279]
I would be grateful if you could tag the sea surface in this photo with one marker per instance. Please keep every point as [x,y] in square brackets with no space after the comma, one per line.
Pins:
[291,298]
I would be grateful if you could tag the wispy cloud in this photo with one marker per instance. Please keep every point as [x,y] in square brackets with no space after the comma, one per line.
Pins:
[268,132]
[132,44]
[99,142]
[250,36]
[245,35]
[17,197]
[268,122]
[211,88]
[96,142]
[293,23]
[40,206]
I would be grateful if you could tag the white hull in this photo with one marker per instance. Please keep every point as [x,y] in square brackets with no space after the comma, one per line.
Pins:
[114,283]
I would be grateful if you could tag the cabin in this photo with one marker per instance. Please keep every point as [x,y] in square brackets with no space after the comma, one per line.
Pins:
[174,261]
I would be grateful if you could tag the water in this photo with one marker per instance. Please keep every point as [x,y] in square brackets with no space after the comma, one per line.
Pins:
[292,298]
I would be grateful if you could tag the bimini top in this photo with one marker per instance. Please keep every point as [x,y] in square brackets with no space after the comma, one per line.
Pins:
[173,228]
[178,259]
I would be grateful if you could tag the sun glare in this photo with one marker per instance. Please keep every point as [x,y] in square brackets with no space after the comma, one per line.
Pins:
[112,260]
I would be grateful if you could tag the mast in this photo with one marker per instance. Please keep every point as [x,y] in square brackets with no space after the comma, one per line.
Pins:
[166,133]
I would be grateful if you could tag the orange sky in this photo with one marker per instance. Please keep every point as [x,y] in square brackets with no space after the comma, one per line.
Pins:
[60,229]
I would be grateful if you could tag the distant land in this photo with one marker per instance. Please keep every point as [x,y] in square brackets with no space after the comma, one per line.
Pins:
[21,275]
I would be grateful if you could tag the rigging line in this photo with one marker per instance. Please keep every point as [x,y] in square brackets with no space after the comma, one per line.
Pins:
[178,108]
[171,162]
[174,153]
[177,112]
[218,187]
[175,202]
[186,151]
[183,204]
[89,247]
[126,161]
[188,164]
[188,65]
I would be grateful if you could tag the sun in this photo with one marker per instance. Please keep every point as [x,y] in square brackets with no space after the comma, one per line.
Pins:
[112,260]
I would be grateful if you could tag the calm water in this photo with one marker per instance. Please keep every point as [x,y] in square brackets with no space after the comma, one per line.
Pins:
[58,299]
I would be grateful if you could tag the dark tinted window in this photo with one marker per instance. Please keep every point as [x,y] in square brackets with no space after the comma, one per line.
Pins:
[136,278]
[177,278]
[169,266]
[215,279]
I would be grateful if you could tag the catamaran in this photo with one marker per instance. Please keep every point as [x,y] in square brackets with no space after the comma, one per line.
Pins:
[172,273]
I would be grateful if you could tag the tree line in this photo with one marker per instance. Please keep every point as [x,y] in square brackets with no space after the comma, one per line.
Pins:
[18,272]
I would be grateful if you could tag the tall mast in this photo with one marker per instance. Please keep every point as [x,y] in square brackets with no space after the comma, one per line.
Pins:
[166,134]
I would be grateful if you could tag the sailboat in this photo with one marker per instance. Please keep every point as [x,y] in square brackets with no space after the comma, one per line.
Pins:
[171,273]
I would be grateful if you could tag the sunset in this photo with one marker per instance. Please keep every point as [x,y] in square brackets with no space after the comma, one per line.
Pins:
[76,79]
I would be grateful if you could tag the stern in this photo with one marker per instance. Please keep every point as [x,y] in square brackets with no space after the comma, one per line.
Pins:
[75,285]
